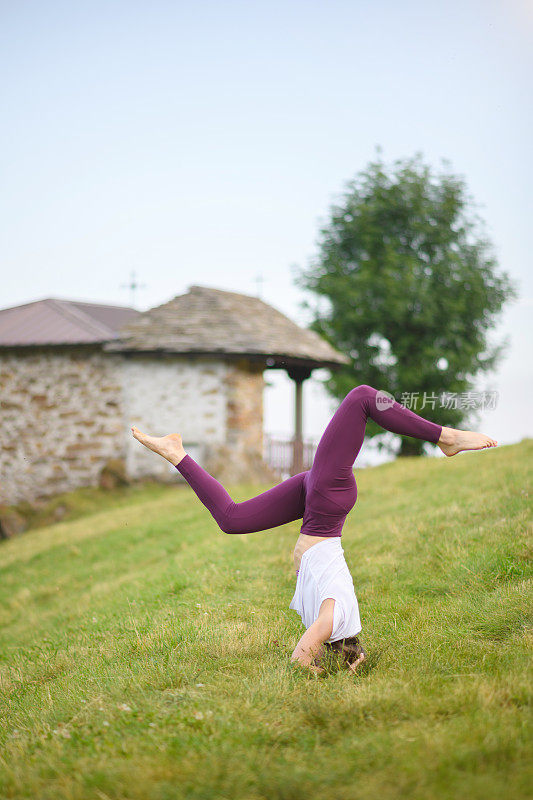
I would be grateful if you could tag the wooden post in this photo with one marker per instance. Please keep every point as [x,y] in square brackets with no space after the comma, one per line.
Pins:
[298,375]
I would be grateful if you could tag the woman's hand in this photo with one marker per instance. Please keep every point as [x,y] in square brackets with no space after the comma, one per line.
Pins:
[355,664]
[307,669]
[310,647]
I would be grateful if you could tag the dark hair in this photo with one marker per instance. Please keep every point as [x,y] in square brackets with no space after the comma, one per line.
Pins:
[344,650]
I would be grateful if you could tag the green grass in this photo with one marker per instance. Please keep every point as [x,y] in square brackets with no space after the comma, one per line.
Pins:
[145,655]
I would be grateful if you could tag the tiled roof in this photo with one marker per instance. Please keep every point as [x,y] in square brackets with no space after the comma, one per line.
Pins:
[57,322]
[207,320]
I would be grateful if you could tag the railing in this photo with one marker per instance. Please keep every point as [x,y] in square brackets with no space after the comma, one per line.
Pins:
[279,454]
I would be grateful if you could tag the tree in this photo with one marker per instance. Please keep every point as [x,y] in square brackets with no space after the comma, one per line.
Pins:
[411,288]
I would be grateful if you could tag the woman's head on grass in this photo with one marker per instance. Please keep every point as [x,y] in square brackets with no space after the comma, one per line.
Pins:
[342,654]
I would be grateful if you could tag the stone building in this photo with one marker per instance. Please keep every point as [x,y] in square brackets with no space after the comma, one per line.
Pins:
[75,376]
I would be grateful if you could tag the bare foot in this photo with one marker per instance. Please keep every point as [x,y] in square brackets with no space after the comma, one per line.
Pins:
[170,447]
[453,441]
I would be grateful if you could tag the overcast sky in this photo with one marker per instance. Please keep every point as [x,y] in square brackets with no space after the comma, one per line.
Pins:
[203,142]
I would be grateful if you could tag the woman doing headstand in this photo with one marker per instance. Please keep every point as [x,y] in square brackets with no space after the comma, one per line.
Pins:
[322,498]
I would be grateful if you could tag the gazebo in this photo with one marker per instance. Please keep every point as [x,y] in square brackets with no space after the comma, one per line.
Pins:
[207,322]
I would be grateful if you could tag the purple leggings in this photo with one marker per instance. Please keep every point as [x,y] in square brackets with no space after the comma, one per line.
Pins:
[323,495]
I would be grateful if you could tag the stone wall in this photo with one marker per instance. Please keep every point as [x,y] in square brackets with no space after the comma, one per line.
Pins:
[216,406]
[172,394]
[65,413]
[60,420]
[240,456]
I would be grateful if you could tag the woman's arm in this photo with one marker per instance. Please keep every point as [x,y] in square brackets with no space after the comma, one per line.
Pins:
[309,646]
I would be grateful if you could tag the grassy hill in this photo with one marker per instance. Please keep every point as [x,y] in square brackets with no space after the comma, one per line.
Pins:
[145,655]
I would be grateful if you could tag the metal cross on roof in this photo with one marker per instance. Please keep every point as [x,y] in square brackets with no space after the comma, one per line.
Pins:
[133,285]
[259,280]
